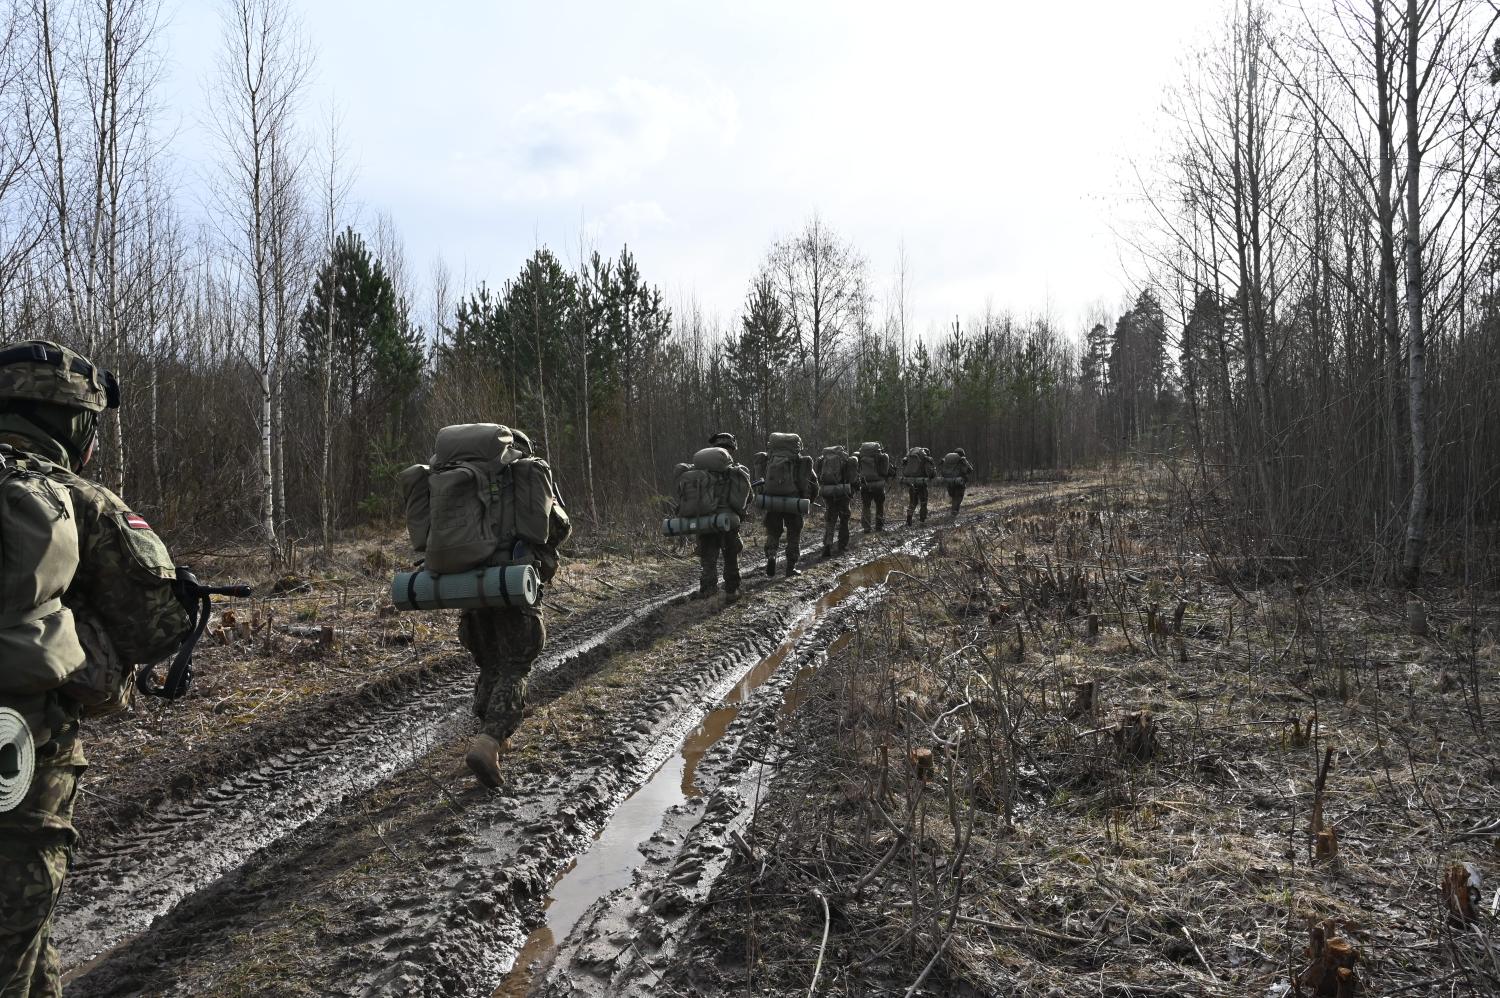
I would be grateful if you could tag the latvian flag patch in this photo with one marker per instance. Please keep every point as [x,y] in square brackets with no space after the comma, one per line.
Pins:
[136,522]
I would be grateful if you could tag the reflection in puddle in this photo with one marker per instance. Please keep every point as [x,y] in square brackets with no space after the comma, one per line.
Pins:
[610,861]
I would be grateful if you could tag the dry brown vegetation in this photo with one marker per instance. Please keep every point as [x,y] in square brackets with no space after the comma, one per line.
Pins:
[1074,754]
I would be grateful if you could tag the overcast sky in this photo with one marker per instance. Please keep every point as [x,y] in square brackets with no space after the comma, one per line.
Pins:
[994,138]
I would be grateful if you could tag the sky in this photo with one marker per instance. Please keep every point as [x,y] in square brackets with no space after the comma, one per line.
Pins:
[994,141]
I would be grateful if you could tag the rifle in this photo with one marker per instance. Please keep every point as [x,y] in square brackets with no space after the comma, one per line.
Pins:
[197,599]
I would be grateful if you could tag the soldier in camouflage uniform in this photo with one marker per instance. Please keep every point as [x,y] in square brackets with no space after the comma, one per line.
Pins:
[505,643]
[50,401]
[710,545]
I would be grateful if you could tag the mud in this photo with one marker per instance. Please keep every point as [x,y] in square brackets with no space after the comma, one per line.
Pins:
[299,878]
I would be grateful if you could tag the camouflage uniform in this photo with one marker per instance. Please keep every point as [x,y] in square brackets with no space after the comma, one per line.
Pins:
[124,582]
[792,524]
[836,508]
[916,493]
[504,643]
[709,547]
[956,489]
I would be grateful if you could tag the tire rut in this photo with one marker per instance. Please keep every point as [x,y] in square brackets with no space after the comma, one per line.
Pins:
[142,870]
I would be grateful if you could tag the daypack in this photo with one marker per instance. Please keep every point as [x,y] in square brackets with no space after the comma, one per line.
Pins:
[916,463]
[712,483]
[482,502]
[874,463]
[39,647]
[952,466]
[788,472]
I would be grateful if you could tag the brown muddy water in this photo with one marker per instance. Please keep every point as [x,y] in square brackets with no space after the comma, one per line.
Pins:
[610,862]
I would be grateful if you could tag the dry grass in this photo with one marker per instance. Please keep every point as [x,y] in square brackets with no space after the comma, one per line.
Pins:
[979,823]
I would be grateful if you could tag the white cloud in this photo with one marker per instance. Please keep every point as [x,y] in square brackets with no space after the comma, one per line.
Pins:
[567,144]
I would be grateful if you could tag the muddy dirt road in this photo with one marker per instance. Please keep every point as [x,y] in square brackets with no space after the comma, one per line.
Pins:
[358,857]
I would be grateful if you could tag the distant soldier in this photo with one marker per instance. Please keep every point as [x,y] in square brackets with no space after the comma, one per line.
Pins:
[838,474]
[789,484]
[714,484]
[917,470]
[91,592]
[485,502]
[874,471]
[955,470]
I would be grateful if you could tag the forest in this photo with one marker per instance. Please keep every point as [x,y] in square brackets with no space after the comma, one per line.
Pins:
[1311,340]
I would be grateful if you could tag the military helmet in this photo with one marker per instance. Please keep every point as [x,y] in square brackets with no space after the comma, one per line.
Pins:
[723,439]
[522,442]
[44,371]
[960,452]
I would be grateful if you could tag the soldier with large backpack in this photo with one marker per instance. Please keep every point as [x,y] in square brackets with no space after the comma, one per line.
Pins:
[838,475]
[874,471]
[788,484]
[713,495]
[954,471]
[917,470]
[487,519]
[87,591]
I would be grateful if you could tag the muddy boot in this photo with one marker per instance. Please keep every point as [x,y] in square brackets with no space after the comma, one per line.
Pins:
[483,760]
[908,519]
[827,552]
[731,596]
[770,568]
[792,569]
[704,592]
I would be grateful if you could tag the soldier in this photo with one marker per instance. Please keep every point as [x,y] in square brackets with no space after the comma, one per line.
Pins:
[121,598]
[787,475]
[955,471]
[711,544]
[506,641]
[839,477]
[874,471]
[917,469]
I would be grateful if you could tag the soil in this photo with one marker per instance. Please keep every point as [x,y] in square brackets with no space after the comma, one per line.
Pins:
[319,835]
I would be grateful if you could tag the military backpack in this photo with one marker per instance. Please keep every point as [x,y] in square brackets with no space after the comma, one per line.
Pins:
[39,646]
[712,483]
[482,501]
[786,470]
[874,466]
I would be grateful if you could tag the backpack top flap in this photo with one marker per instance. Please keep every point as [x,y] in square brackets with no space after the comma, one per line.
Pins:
[786,443]
[472,442]
[870,447]
[713,459]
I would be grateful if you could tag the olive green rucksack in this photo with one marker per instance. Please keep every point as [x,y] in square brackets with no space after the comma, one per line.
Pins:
[481,502]
[39,646]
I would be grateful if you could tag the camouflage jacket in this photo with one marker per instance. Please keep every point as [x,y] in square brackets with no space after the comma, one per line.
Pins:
[124,579]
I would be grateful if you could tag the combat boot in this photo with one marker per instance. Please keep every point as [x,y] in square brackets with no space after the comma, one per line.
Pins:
[483,760]
[770,568]
[827,552]
[704,592]
[792,569]
[731,596]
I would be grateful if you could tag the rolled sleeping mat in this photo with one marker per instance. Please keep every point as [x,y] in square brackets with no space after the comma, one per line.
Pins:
[721,522]
[784,504]
[873,486]
[17,759]
[952,481]
[834,491]
[496,586]
[908,480]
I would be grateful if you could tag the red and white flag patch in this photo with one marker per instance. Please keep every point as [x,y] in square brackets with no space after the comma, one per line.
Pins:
[136,522]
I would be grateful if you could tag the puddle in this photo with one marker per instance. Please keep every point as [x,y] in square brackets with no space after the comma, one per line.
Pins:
[610,861]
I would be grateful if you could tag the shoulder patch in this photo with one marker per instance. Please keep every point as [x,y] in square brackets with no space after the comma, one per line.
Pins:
[136,522]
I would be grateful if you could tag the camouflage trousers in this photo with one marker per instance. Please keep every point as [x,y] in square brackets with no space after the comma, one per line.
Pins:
[709,547]
[36,845]
[792,524]
[836,518]
[878,498]
[916,501]
[956,496]
[504,644]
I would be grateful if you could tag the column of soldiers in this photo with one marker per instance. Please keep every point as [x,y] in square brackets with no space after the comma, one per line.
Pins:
[836,479]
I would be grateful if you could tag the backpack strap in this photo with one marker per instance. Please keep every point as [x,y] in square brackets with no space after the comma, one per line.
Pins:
[27,616]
